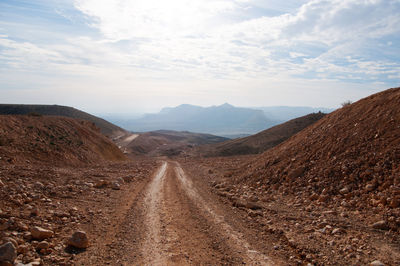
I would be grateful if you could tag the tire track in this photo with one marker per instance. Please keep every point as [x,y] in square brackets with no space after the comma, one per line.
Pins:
[236,239]
[153,246]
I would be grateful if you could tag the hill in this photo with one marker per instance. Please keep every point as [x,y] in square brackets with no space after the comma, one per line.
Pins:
[217,120]
[167,142]
[286,113]
[352,154]
[262,141]
[106,127]
[53,140]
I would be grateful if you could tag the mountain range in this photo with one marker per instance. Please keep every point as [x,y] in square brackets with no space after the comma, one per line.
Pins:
[217,120]
[223,120]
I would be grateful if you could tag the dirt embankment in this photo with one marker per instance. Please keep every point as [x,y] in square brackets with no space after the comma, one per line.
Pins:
[106,128]
[332,191]
[352,155]
[53,140]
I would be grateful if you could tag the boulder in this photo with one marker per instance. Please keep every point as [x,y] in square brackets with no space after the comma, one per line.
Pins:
[382,225]
[40,233]
[79,239]
[8,253]
[115,186]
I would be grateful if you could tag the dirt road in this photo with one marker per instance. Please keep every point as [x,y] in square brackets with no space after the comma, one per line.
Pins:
[174,222]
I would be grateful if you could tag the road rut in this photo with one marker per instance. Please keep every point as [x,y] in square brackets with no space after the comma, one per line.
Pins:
[183,228]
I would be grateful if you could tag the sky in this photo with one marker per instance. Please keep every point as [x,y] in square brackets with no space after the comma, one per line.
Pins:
[130,56]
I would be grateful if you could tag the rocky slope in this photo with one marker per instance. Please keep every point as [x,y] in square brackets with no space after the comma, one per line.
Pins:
[332,192]
[53,140]
[352,153]
[106,127]
[262,141]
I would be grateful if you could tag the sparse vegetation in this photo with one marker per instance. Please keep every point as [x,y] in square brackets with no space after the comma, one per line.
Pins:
[346,103]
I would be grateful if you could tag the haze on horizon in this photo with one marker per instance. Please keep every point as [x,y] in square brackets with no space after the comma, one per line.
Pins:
[139,56]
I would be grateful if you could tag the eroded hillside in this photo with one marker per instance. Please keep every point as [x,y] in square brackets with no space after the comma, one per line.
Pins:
[50,140]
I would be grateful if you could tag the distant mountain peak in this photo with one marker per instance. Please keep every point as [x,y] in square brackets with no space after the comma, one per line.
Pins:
[226,105]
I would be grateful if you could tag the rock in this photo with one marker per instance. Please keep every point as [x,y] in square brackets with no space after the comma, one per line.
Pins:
[115,186]
[314,196]
[22,249]
[297,172]
[38,185]
[12,240]
[336,231]
[101,183]
[79,239]
[34,211]
[247,204]
[40,233]
[8,253]
[369,187]
[344,190]
[382,225]
[395,203]
[376,263]
[43,245]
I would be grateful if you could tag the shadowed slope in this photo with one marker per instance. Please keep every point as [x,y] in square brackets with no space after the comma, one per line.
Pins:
[106,127]
[51,139]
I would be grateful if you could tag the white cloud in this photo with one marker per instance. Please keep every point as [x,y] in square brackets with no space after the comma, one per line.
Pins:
[142,46]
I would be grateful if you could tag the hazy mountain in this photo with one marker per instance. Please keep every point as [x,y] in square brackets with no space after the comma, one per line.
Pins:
[105,127]
[218,120]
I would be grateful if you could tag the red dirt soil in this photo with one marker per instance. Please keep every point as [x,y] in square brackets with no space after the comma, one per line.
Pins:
[353,152]
[53,140]
[331,192]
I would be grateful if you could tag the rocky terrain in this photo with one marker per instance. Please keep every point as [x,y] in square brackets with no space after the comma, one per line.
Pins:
[331,192]
[54,140]
[328,195]
[51,214]
[105,127]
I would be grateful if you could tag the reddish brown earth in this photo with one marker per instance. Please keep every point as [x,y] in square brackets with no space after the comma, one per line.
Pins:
[106,128]
[326,196]
[332,191]
[53,140]
[169,143]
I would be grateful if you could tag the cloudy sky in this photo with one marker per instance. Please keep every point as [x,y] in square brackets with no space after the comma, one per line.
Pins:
[106,56]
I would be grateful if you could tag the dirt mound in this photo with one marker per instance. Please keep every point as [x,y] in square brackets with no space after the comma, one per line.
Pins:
[349,158]
[53,140]
[169,143]
[262,141]
[106,127]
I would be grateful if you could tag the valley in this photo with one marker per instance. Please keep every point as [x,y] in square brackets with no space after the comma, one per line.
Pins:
[318,190]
